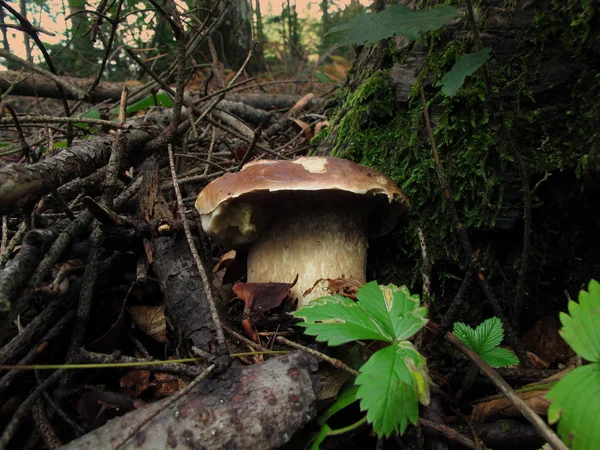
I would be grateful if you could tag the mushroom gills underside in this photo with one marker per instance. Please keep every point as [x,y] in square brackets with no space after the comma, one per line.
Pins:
[313,244]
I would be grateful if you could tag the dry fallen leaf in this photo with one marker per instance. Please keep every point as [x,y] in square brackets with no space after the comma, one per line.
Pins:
[543,339]
[346,287]
[137,379]
[151,320]
[503,407]
[166,384]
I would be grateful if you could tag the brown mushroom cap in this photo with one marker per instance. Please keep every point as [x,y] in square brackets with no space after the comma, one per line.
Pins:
[235,206]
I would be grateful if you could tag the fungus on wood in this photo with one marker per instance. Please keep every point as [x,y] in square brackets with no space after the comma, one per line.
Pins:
[310,217]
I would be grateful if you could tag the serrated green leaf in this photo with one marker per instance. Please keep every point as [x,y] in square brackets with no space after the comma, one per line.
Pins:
[489,334]
[394,308]
[467,335]
[576,402]
[465,66]
[484,340]
[338,320]
[500,357]
[396,19]
[581,327]
[387,389]
[386,313]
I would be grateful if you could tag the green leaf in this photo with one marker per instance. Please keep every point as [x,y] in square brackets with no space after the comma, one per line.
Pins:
[388,389]
[386,313]
[576,402]
[161,99]
[465,66]
[396,19]
[339,320]
[93,113]
[346,397]
[484,341]
[500,357]
[581,329]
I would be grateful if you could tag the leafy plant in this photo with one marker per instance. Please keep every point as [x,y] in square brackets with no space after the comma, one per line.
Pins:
[394,379]
[396,19]
[161,99]
[484,341]
[399,19]
[576,398]
[465,66]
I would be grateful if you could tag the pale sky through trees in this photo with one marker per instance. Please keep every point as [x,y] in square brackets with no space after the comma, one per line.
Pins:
[55,22]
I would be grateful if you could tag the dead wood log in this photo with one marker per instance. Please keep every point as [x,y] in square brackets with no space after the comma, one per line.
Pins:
[257,407]
[269,102]
[182,290]
[40,86]
[24,185]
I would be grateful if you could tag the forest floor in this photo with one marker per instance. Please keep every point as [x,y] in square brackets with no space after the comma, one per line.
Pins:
[109,314]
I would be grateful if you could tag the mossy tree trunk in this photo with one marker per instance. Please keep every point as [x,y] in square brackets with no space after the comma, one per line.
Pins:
[545,102]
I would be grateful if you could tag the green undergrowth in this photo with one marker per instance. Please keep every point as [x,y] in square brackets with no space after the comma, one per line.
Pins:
[556,132]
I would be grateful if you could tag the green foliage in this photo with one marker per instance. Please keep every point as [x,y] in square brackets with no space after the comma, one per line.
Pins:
[93,113]
[344,399]
[161,99]
[576,398]
[581,327]
[397,19]
[394,379]
[484,340]
[465,66]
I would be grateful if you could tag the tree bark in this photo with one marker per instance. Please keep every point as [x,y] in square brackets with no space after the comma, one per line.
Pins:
[259,406]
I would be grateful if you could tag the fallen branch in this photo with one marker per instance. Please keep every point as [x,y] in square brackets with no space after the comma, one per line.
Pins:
[259,406]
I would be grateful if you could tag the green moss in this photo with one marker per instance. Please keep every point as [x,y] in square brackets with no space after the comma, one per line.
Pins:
[372,130]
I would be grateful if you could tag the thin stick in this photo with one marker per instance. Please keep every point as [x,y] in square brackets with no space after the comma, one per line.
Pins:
[201,270]
[334,362]
[541,426]
[245,340]
[172,399]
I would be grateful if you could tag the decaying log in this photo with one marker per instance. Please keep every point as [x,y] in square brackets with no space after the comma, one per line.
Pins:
[40,86]
[182,290]
[269,102]
[255,407]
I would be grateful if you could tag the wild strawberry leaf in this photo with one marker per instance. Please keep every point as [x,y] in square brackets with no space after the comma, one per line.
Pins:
[386,313]
[581,327]
[576,402]
[391,383]
[484,341]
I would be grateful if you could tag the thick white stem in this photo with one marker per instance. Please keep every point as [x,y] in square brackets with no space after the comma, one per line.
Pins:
[312,244]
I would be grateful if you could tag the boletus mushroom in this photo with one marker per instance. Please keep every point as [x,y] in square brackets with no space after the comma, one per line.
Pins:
[310,217]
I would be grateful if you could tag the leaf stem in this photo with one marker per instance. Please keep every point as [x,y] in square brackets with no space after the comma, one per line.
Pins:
[343,430]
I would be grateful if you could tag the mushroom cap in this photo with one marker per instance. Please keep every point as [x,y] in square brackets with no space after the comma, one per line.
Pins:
[235,207]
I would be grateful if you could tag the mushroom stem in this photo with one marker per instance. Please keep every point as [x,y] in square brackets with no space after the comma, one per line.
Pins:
[313,244]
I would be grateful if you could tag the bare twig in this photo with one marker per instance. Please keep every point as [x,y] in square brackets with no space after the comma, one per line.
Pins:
[23,410]
[334,362]
[44,120]
[541,426]
[74,90]
[24,145]
[448,433]
[201,270]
